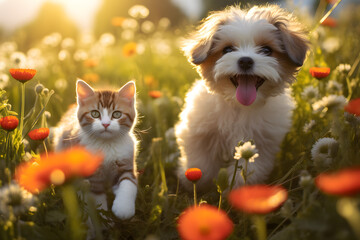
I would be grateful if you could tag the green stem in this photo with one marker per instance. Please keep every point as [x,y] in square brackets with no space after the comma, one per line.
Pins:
[177,190]
[245,171]
[195,198]
[326,15]
[260,224]
[72,208]
[305,197]
[45,149]
[233,178]
[348,208]
[6,152]
[220,201]
[22,108]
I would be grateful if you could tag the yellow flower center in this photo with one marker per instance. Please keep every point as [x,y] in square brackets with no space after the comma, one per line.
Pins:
[204,230]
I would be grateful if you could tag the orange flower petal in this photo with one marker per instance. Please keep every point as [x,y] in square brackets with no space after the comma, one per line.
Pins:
[37,175]
[9,123]
[204,222]
[91,63]
[319,72]
[155,94]
[344,182]
[22,75]
[353,107]
[90,77]
[129,49]
[258,199]
[193,174]
[117,21]
[39,134]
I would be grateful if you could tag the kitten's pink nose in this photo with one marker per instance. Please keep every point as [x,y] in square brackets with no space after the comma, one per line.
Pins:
[106,125]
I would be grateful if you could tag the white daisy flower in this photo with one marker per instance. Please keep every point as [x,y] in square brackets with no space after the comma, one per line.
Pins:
[333,87]
[331,102]
[130,23]
[147,27]
[138,11]
[67,43]
[323,151]
[18,59]
[305,179]
[15,197]
[52,40]
[331,44]
[4,80]
[310,93]
[343,67]
[164,23]
[80,55]
[107,39]
[247,151]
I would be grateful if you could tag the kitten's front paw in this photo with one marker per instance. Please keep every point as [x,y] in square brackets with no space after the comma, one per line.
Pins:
[124,203]
[123,209]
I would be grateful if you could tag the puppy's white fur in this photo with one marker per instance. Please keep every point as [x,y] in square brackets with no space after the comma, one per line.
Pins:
[213,121]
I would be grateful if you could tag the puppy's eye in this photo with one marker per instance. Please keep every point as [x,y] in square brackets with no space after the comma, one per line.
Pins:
[116,114]
[228,49]
[267,51]
[95,114]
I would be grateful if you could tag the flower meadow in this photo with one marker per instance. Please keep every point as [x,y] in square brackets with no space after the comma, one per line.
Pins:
[313,191]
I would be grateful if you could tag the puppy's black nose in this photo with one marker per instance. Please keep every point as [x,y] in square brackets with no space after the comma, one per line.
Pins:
[245,63]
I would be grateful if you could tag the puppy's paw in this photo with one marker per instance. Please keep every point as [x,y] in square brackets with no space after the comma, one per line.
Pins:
[123,209]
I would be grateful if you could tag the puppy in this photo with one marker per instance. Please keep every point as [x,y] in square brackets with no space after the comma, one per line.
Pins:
[247,59]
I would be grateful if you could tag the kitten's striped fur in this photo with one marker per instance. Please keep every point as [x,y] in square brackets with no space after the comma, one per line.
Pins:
[104,120]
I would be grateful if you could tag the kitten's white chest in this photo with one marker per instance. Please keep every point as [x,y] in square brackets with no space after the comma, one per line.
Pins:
[115,150]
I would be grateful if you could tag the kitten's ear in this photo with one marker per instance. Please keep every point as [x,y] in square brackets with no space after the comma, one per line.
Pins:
[128,90]
[83,90]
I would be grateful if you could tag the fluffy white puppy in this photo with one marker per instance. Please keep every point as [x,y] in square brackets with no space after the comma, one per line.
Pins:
[247,59]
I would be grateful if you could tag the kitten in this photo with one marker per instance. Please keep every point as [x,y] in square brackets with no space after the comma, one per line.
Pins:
[104,120]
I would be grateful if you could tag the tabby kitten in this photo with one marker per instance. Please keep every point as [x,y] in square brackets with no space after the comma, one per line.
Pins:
[104,120]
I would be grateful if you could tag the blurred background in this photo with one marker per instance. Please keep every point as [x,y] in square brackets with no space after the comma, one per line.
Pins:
[28,21]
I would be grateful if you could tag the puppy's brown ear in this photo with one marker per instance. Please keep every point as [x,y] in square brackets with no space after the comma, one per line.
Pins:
[294,39]
[292,35]
[197,47]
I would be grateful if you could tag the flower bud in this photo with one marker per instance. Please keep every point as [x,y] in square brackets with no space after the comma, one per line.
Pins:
[38,88]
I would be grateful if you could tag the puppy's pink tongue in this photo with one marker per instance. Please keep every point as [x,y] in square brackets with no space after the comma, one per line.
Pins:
[246,91]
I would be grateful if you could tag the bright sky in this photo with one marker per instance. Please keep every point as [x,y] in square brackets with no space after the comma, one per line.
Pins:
[15,13]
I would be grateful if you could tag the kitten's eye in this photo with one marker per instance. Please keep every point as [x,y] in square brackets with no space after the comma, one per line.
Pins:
[116,114]
[95,114]
[228,49]
[267,51]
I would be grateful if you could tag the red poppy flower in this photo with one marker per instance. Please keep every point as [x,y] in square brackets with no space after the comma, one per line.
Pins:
[155,94]
[204,222]
[331,1]
[258,199]
[193,174]
[37,175]
[329,22]
[344,182]
[22,75]
[9,123]
[39,134]
[319,72]
[353,107]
